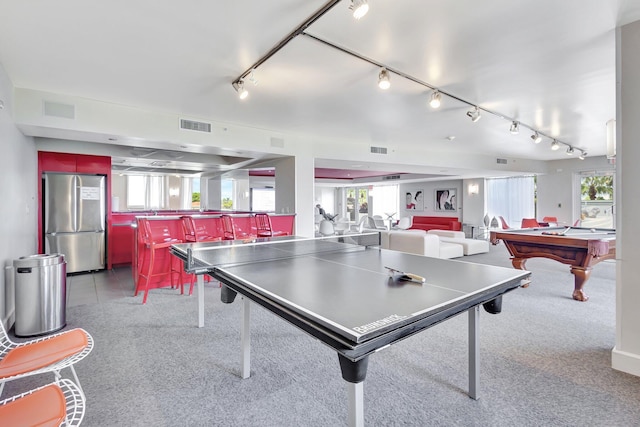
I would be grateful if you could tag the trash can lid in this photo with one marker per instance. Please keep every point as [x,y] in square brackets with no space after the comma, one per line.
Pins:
[39,260]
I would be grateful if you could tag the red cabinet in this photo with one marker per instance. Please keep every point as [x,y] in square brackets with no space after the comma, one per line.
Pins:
[75,163]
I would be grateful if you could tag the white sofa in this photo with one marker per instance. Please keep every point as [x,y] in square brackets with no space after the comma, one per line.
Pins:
[469,246]
[419,242]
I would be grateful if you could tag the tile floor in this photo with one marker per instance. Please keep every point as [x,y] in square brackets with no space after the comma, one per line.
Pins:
[99,287]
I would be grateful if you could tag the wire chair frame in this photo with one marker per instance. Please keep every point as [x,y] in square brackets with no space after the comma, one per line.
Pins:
[74,399]
[7,346]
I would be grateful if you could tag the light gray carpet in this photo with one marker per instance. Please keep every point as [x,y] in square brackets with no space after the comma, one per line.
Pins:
[545,361]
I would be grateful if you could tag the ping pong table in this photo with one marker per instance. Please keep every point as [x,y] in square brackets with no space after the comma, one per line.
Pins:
[339,291]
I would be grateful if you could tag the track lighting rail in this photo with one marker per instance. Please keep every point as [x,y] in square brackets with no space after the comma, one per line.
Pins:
[474,114]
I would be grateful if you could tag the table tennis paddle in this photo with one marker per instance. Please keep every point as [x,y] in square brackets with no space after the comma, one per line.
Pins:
[405,277]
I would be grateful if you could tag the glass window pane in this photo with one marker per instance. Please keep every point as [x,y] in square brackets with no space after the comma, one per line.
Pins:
[136,191]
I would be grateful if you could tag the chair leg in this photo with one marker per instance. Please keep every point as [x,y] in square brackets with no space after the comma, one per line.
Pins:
[149,275]
[75,377]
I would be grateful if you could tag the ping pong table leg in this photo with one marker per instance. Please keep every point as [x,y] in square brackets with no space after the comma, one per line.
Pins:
[200,278]
[355,393]
[354,373]
[474,352]
[245,371]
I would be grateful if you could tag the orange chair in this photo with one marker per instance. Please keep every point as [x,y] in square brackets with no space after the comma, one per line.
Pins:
[264,228]
[155,243]
[530,223]
[57,404]
[505,226]
[47,354]
[551,220]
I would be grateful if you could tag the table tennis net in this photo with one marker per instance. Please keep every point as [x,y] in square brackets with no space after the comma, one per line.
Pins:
[263,251]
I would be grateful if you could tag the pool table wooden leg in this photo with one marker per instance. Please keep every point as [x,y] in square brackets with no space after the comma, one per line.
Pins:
[581,275]
[519,264]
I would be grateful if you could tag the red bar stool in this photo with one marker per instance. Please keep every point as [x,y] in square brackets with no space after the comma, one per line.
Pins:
[194,234]
[157,262]
[264,228]
[228,230]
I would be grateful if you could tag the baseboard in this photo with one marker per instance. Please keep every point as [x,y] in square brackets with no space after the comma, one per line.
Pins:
[625,362]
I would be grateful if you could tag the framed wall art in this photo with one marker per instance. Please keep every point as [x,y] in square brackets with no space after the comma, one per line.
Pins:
[446,200]
[414,201]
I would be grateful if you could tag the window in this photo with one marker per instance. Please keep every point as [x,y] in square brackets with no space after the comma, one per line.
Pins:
[226,193]
[136,191]
[157,192]
[596,200]
[512,198]
[385,200]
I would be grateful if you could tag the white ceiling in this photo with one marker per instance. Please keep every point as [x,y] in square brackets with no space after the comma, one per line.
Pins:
[549,64]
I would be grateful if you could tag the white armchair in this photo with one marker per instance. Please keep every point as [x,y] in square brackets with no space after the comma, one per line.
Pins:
[342,226]
[327,228]
[403,224]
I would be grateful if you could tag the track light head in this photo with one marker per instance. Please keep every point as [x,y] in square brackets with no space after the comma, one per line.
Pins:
[383,79]
[515,128]
[435,99]
[239,87]
[359,8]
[536,138]
[474,114]
[570,151]
[582,155]
[554,145]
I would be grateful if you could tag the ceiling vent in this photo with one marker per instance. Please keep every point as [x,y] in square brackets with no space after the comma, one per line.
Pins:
[56,109]
[391,177]
[193,125]
[379,150]
[501,161]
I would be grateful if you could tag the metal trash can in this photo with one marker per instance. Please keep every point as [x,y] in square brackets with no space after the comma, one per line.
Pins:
[41,294]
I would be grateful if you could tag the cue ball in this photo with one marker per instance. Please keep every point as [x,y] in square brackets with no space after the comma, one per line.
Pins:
[593,230]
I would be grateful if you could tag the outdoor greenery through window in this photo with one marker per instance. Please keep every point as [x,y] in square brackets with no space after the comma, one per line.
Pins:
[596,200]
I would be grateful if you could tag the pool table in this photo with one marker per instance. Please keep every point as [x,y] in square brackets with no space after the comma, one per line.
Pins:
[581,248]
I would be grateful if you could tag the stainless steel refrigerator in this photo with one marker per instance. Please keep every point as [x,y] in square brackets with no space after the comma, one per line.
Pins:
[74,219]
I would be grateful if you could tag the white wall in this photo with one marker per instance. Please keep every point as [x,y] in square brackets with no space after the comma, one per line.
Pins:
[474,205]
[626,354]
[557,189]
[18,192]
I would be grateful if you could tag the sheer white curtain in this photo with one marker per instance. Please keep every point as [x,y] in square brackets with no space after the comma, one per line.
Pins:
[512,198]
